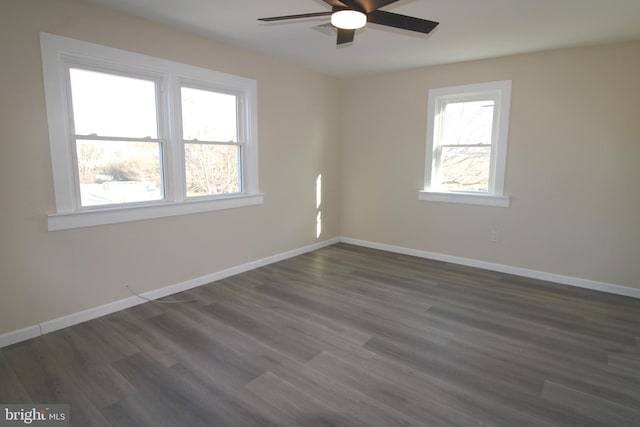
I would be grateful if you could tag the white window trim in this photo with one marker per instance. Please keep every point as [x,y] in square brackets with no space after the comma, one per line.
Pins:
[501,92]
[57,53]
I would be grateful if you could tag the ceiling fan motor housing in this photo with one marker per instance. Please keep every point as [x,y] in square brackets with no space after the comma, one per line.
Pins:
[356,15]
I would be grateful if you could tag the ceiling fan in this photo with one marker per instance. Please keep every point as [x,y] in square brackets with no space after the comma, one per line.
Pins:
[349,15]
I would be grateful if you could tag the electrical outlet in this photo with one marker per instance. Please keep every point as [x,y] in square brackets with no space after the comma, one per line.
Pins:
[494,236]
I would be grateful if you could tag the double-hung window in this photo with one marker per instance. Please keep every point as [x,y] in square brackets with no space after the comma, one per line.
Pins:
[114,137]
[135,137]
[212,144]
[466,144]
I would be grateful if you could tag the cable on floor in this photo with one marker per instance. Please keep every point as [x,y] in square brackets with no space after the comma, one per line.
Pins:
[174,301]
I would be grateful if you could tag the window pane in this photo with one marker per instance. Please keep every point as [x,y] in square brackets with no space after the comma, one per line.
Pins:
[465,168]
[209,116]
[467,123]
[112,105]
[119,172]
[211,169]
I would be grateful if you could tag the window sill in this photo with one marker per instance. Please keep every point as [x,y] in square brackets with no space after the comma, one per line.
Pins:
[90,218]
[466,198]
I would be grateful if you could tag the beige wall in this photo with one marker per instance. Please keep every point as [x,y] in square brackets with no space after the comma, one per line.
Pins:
[571,170]
[572,164]
[45,275]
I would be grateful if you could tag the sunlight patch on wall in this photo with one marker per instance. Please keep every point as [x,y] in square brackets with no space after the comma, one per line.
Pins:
[318,203]
[318,191]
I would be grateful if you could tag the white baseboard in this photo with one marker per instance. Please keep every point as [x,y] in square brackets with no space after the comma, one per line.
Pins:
[44,327]
[518,271]
[33,331]
[20,335]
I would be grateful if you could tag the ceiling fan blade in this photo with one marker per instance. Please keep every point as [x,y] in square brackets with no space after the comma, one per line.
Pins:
[304,15]
[345,36]
[335,3]
[401,21]
[371,5]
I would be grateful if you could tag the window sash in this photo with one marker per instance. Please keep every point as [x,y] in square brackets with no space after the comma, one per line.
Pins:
[161,144]
[438,172]
[240,117]
[160,130]
[96,89]
[469,171]
[240,148]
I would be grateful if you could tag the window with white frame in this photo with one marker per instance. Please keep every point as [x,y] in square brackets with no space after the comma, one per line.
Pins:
[212,148]
[114,138]
[467,133]
[135,137]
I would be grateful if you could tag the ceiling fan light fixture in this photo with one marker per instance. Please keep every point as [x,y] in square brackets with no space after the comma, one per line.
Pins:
[348,19]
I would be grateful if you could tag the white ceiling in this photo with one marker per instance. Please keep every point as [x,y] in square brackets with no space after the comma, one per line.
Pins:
[469,29]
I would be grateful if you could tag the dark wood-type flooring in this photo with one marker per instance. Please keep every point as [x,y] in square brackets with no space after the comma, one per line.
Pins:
[346,336]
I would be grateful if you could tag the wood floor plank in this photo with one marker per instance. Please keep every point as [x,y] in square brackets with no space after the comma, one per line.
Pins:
[87,365]
[289,312]
[136,329]
[252,351]
[163,395]
[412,392]
[330,306]
[298,347]
[11,390]
[346,336]
[301,407]
[191,343]
[602,410]
[177,396]
[502,389]
[626,360]
[47,382]
[581,375]
[346,400]
[524,310]
[562,340]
